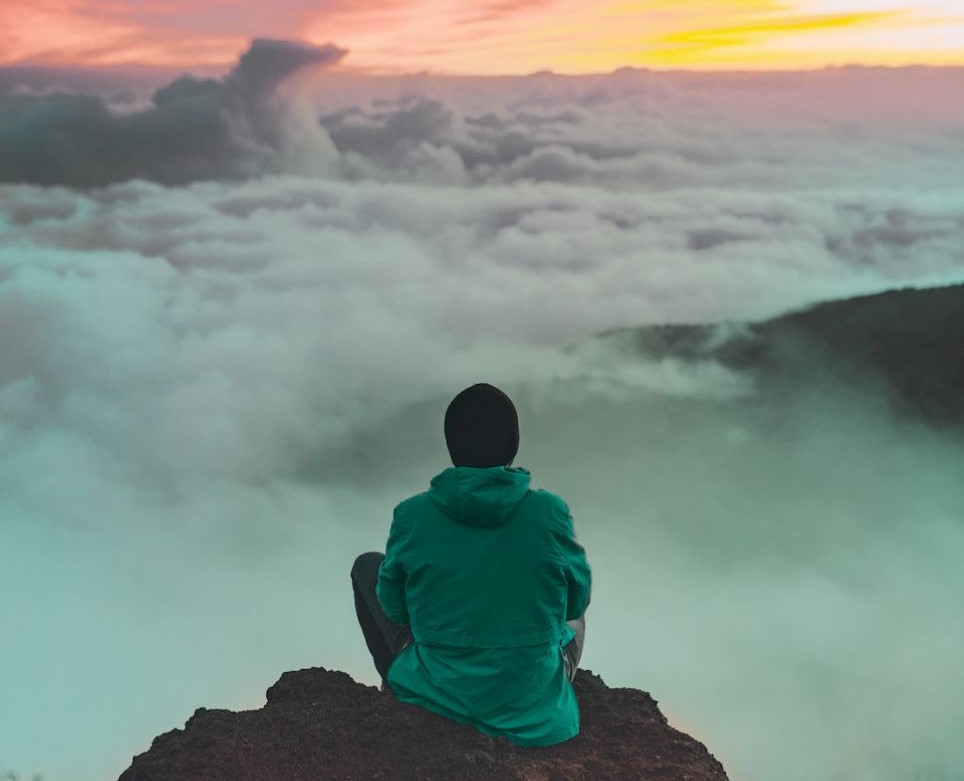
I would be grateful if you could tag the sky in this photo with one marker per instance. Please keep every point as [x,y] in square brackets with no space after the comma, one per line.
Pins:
[240,306]
[495,36]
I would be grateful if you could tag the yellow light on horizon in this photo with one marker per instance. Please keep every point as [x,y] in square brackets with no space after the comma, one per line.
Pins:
[687,34]
[565,36]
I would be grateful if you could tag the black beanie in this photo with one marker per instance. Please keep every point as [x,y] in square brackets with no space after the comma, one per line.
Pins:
[482,427]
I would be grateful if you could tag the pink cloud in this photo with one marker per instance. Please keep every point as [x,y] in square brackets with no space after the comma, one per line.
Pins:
[183,32]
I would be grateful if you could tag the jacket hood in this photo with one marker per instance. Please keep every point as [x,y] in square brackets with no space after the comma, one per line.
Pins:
[479,496]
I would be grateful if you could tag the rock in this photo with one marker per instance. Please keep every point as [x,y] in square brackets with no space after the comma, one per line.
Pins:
[320,725]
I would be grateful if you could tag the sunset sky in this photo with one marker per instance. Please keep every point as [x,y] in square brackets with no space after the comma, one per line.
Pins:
[493,36]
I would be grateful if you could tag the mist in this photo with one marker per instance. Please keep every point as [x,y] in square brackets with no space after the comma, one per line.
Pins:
[217,382]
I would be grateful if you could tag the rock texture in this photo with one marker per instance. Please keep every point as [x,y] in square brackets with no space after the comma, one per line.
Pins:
[320,725]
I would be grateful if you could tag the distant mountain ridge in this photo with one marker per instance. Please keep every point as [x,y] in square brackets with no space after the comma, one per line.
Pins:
[907,344]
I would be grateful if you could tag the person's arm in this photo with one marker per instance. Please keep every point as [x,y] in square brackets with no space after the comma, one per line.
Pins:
[576,568]
[390,588]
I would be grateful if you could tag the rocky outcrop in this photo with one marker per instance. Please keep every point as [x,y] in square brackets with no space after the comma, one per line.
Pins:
[320,725]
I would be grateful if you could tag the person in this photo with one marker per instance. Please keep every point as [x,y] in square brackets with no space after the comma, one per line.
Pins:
[476,611]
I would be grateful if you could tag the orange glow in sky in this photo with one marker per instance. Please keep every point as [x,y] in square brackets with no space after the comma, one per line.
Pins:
[492,36]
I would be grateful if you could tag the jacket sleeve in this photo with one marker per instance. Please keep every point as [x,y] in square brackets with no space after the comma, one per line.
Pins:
[390,588]
[576,568]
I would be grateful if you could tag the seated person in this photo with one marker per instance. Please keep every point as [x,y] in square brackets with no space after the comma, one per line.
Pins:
[476,609]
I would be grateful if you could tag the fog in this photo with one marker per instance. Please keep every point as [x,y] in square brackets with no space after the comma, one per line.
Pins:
[215,386]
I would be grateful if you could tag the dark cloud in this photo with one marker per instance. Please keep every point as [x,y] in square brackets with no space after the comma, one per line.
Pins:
[196,128]
[389,132]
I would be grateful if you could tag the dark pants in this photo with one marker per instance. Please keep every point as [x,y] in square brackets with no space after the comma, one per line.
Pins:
[386,639]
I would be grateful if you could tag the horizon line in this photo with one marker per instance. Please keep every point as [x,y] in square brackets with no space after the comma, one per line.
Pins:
[371,71]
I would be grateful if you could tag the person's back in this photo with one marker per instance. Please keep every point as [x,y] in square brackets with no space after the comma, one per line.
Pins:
[486,573]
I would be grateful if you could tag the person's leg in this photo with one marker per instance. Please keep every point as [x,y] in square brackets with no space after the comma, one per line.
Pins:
[573,649]
[384,638]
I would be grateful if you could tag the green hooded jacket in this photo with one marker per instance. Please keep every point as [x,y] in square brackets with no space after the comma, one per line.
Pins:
[486,572]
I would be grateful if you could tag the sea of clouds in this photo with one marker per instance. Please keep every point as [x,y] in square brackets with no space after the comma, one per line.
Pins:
[233,313]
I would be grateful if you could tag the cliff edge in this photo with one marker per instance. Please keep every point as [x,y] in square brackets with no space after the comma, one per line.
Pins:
[320,725]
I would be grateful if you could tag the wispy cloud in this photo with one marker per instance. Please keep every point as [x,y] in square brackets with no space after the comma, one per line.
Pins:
[495,36]
[57,31]
[754,31]
[500,10]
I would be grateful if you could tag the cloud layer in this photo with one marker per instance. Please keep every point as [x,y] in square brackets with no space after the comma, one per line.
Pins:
[195,129]
[889,128]
[211,396]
